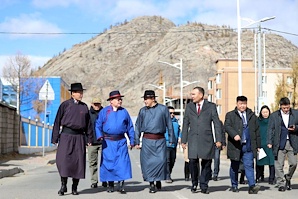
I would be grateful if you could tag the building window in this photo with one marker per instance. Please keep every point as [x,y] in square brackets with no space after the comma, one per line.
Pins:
[210,98]
[289,94]
[218,109]
[218,93]
[218,78]
[210,85]
[289,80]
[264,79]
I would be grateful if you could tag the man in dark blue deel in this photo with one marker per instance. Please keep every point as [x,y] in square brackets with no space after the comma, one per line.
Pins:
[73,120]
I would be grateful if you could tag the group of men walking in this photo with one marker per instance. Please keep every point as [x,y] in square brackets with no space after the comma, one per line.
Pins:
[108,130]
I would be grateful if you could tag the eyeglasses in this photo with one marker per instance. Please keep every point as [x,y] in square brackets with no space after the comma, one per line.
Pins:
[172,113]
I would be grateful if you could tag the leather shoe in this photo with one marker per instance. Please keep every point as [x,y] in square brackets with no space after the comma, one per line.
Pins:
[254,189]
[110,189]
[242,182]
[215,178]
[122,191]
[193,189]
[94,185]
[282,189]
[62,190]
[186,179]
[235,189]
[152,188]
[74,192]
[288,183]
[205,191]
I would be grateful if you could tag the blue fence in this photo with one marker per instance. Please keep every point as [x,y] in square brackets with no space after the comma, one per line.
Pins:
[35,132]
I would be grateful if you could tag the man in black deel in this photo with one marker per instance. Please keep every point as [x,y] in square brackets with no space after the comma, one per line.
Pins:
[73,120]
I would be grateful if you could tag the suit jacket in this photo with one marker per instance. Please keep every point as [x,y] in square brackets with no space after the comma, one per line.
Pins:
[197,130]
[234,126]
[274,130]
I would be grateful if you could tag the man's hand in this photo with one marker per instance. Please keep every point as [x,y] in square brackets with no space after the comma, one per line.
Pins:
[218,144]
[89,144]
[138,146]
[269,146]
[291,128]
[183,146]
[237,138]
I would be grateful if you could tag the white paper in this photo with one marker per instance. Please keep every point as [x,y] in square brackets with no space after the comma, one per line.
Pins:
[261,154]
[213,131]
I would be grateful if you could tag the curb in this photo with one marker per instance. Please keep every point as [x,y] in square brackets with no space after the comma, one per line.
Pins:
[10,172]
[15,170]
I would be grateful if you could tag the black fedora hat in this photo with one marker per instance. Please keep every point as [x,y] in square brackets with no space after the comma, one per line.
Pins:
[114,94]
[76,87]
[149,94]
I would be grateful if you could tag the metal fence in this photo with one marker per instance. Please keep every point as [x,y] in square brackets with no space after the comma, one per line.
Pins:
[35,132]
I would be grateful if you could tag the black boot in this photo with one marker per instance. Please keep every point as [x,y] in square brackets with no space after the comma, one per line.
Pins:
[121,187]
[75,183]
[63,188]
[111,187]
[152,188]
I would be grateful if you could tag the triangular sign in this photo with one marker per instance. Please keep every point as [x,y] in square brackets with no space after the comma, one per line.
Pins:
[46,92]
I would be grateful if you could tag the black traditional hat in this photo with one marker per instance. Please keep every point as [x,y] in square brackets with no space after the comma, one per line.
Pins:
[149,94]
[76,87]
[114,94]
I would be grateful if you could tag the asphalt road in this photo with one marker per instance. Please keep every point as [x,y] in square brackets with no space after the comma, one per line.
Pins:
[44,182]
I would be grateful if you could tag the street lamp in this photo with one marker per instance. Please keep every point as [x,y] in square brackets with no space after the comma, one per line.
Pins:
[260,82]
[186,83]
[163,88]
[239,50]
[178,66]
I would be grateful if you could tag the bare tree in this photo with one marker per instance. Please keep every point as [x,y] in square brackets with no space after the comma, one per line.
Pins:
[294,76]
[280,92]
[15,70]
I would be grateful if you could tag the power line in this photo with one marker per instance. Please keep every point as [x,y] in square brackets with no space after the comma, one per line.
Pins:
[288,33]
[147,32]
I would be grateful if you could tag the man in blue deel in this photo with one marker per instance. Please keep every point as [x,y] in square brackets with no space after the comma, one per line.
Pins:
[111,126]
[153,120]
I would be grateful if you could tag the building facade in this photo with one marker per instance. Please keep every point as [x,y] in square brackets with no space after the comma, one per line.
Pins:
[8,94]
[32,109]
[223,88]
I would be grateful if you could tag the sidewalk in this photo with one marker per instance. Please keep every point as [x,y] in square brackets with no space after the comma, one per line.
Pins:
[13,163]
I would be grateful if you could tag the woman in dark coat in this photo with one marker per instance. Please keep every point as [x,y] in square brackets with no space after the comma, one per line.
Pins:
[269,159]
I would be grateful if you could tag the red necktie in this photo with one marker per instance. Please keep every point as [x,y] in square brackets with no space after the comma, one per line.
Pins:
[199,109]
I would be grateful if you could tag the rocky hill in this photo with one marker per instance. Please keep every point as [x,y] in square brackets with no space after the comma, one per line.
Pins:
[126,56]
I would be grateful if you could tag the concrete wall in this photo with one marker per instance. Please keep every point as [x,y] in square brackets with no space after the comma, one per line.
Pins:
[9,129]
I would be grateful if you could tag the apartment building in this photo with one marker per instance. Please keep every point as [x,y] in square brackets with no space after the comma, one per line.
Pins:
[223,88]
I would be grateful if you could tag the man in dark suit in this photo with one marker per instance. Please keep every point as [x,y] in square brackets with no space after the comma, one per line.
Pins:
[282,136]
[197,133]
[242,127]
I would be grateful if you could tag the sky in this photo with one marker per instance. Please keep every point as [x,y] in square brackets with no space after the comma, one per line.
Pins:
[59,19]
